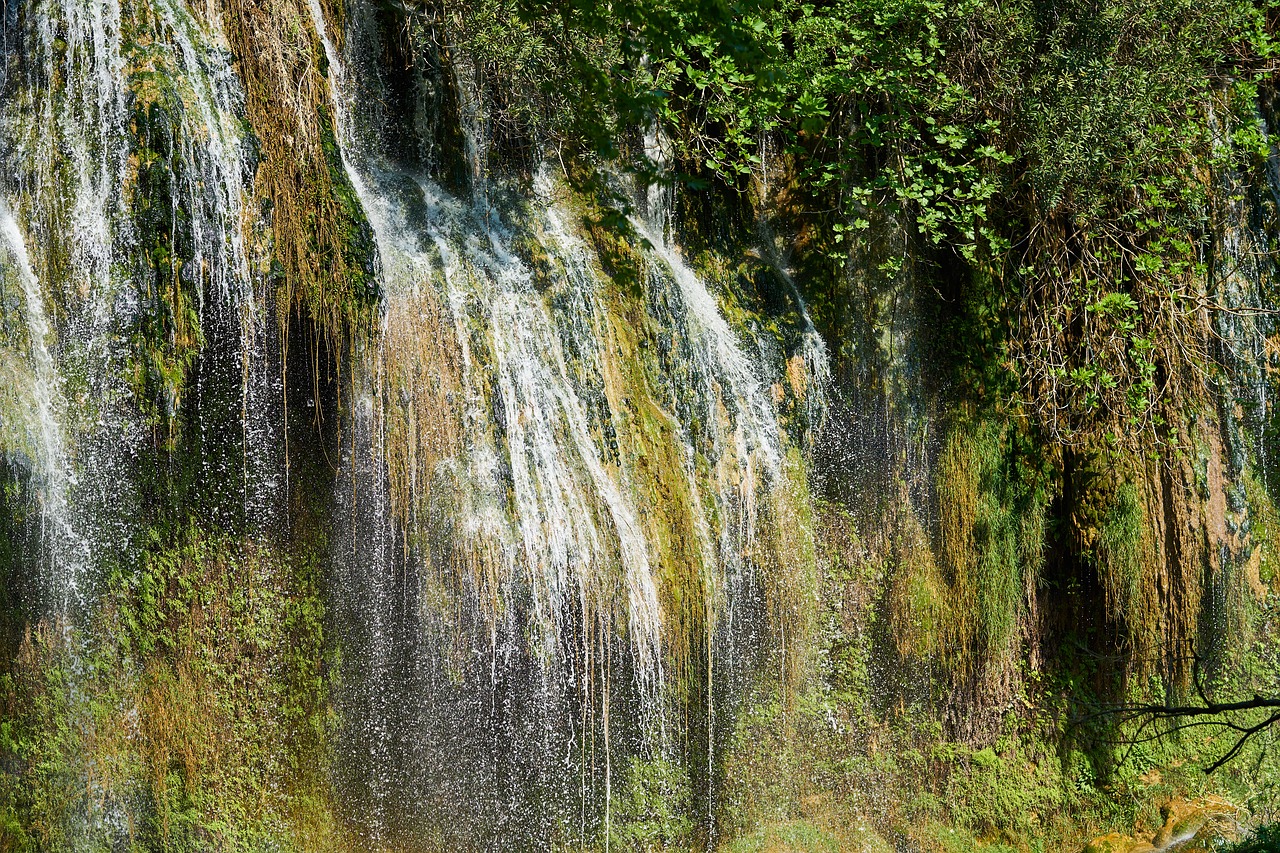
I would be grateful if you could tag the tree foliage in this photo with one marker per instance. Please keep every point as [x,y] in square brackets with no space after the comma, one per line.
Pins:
[1070,152]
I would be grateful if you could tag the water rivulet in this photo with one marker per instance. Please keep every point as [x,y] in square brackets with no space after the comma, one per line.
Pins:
[450,426]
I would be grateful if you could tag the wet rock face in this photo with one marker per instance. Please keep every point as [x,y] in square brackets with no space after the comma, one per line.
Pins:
[1190,826]
[555,511]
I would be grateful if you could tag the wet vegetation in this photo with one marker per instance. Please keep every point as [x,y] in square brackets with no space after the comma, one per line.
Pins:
[498,424]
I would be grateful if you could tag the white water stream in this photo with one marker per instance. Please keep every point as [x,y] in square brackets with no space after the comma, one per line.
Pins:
[41,419]
[537,489]
[519,599]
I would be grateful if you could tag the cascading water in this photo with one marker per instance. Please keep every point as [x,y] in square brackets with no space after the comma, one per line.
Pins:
[550,488]
[63,140]
[33,400]
[395,454]
[130,170]
[1241,279]
[238,386]
[506,579]
[123,228]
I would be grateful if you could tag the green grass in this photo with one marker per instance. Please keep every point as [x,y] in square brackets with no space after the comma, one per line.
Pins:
[1264,839]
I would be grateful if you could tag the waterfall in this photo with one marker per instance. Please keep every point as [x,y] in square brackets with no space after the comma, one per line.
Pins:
[564,519]
[551,495]
[490,426]
[1240,280]
[141,332]
[210,179]
[62,139]
[490,510]
[129,172]
[34,401]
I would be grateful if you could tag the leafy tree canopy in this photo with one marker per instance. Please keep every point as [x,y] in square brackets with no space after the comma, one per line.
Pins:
[1070,151]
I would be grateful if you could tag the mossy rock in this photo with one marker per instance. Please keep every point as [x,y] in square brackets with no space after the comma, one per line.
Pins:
[1197,825]
[800,836]
[1190,826]
[1116,843]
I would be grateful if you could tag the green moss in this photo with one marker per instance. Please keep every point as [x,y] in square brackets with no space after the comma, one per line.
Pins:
[949,839]
[989,551]
[1121,551]
[803,837]
[1265,525]
[615,242]
[66,735]
[652,811]
[193,707]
